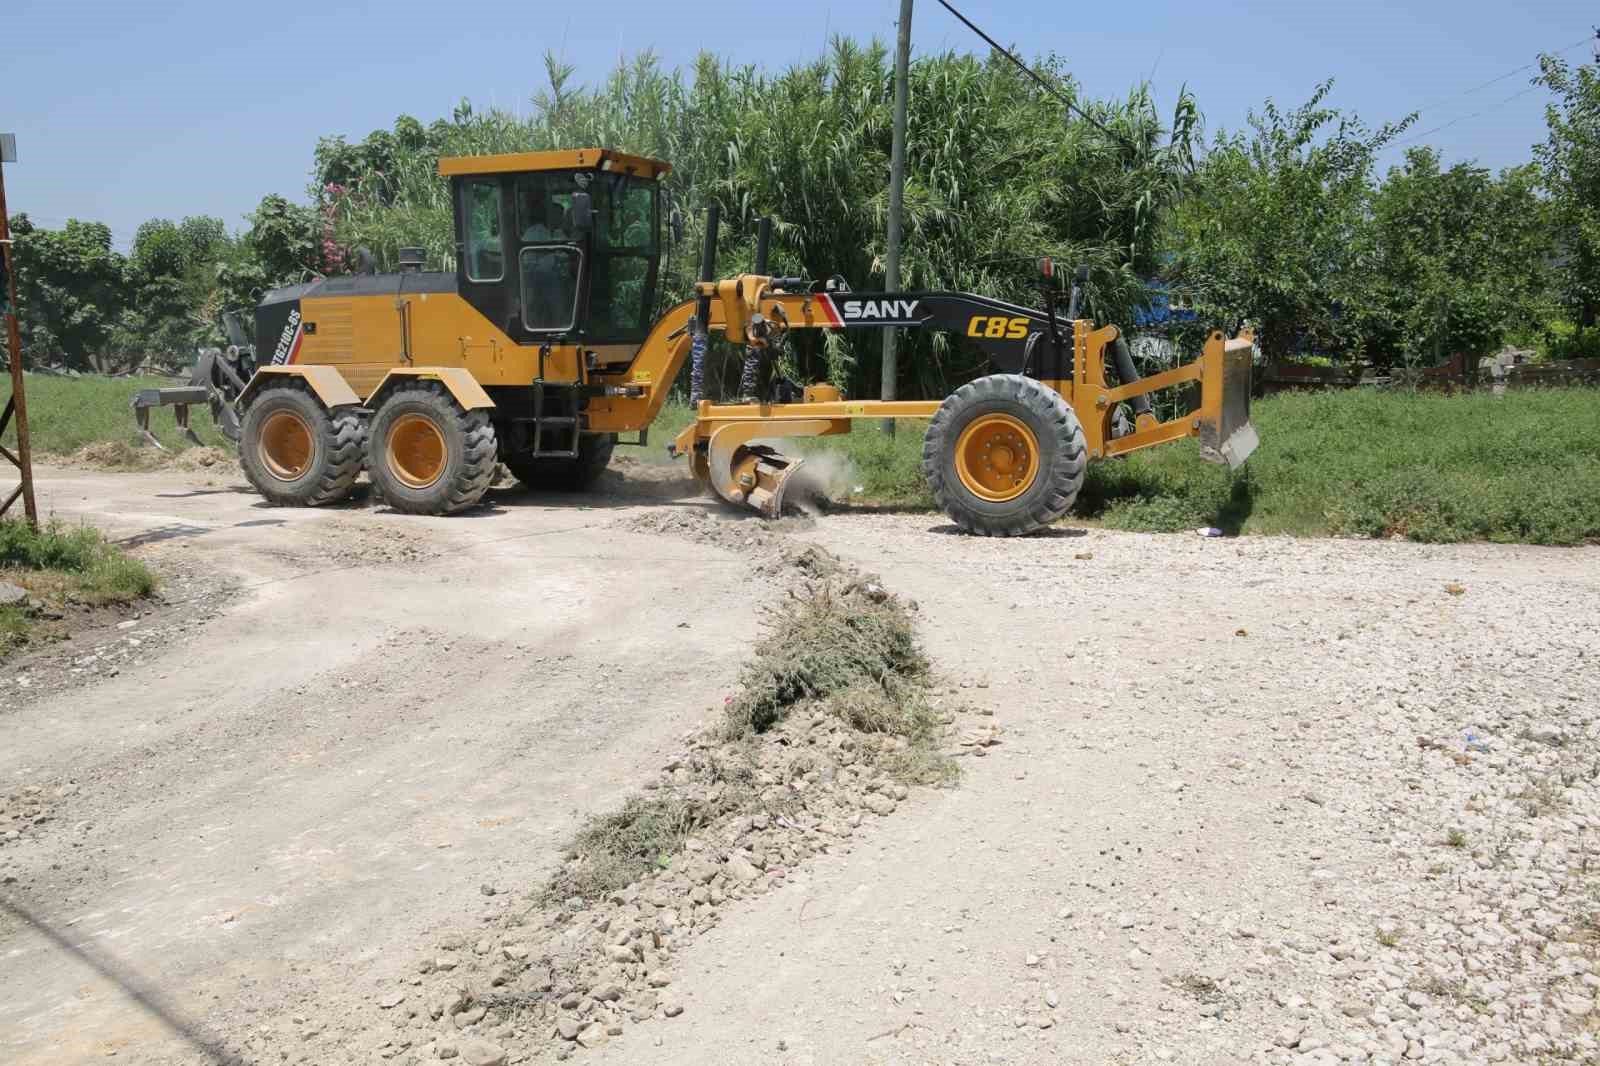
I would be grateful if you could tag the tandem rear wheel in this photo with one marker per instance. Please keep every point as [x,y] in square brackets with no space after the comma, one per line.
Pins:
[426,454]
[1004,456]
[297,453]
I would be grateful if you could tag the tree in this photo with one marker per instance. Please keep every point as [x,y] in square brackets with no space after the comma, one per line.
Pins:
[1456,258]
[1569,161]
[1270,234]
[69,292]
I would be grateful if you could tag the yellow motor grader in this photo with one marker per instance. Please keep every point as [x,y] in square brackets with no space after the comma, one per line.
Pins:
[538,350]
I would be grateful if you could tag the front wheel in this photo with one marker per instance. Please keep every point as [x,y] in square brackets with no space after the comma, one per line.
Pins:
[1004,455]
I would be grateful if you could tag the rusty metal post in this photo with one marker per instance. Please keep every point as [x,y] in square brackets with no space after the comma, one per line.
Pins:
[17,407]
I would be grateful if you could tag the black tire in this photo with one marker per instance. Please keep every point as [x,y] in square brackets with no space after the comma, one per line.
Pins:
[296,452]
[1056,468]
[450,475]
[566,475]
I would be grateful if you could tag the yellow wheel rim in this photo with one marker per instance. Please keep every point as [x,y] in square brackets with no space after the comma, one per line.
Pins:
[416,451]
[997,457]
[286,445]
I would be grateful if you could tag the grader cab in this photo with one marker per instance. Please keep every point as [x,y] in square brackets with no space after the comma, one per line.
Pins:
[538,351]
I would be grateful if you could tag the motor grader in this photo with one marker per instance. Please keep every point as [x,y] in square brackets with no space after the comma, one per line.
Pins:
[538,351]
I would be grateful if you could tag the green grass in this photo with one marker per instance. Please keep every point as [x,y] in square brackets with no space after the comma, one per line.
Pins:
[62,564]
[67,413]
[1522,467]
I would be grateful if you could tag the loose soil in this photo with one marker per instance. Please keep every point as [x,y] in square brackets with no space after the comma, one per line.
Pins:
[1232,800]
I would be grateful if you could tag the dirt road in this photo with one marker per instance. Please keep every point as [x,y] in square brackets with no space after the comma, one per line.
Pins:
[1256,800]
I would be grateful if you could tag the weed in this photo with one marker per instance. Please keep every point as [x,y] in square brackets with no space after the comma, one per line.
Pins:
[614,850]
[1456,838]
[61,563]
[820,644]
[1388,937]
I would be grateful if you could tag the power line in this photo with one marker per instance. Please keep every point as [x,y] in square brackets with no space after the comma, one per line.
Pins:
[1029,71]
[1477,88]
[1498,80]
[1464,118]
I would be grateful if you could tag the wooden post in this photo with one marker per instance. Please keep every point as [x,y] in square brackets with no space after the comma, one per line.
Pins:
[17,406]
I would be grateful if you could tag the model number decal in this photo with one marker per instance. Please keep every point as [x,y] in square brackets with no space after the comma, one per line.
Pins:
[997,326]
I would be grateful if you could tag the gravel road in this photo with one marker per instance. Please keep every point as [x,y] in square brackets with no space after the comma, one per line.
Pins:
[1255,800]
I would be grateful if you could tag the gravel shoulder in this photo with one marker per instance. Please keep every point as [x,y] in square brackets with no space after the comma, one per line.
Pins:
[1255,800]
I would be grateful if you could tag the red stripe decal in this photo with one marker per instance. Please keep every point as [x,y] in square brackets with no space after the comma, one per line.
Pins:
[825,302]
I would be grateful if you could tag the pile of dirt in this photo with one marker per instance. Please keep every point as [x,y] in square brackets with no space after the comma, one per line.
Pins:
[120,455]
[741,532]
[835,720]
[203,458]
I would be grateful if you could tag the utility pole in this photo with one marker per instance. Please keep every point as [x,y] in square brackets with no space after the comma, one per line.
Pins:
[17,405]
[897,191]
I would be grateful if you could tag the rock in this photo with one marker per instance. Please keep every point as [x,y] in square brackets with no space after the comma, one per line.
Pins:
[1288,1036]
[568,1026]
[446,1050]
[658,979]
[392,999]
[471,1016]
[619,953]
[741,869]
[445,962]
[1548,735]
[878,804]
[1052,998]
[10,594]
[606,992]
[487,889]
[482,1053]
[671,1008]
[593,1036]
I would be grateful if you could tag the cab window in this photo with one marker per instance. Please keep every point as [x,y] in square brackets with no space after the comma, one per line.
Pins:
[485,254]
[544,208]
[550,288]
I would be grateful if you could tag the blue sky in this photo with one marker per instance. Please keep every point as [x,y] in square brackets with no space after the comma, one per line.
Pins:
[125,111]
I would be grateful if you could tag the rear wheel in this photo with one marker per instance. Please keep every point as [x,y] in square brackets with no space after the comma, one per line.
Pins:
[426,454]
[1004,455]
[566,475]
[296,452]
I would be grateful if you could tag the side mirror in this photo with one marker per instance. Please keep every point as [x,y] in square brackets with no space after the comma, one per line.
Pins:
[582,212]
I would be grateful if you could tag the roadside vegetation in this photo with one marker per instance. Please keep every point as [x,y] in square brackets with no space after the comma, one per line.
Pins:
[60,566]
[838,680]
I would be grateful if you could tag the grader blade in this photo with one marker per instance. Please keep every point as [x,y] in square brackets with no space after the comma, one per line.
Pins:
[1226,435]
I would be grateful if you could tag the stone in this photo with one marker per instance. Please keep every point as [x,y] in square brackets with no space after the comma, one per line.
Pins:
[446,1050]
[482,1053]
[391,1000]
[10,594]
[671,1008]
[568,1027]
[742,869]
[471,1016]
[593,1036]
[619,953]
[878,804]
[658,979]
[606,992]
